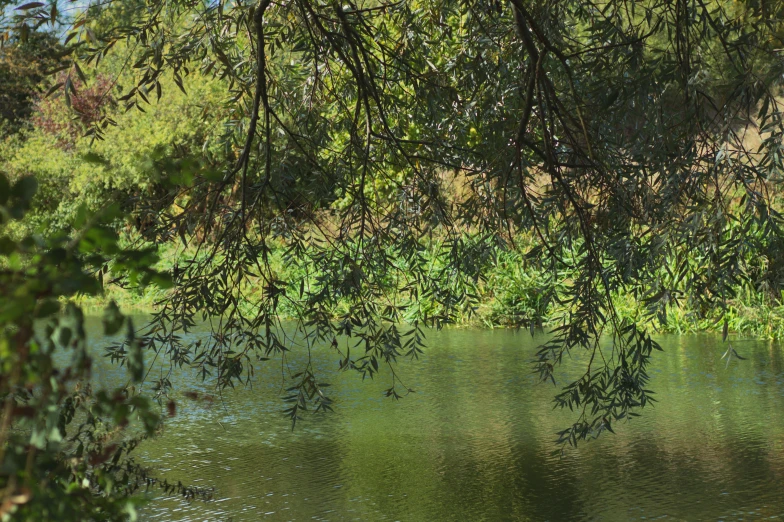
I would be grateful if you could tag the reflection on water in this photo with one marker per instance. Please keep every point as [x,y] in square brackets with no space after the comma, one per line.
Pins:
[475,442]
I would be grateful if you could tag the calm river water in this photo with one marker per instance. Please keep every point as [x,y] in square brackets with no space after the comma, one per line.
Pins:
[475,442]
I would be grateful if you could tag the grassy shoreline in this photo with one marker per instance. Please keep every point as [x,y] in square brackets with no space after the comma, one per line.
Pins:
[503,304]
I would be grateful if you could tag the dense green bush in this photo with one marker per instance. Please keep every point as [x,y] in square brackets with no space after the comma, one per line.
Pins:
[75,171]
[65,446]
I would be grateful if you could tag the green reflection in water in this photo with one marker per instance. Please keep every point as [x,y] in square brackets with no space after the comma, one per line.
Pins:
[475,443]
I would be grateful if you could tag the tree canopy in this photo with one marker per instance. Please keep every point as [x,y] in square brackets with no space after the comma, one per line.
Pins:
[394,148]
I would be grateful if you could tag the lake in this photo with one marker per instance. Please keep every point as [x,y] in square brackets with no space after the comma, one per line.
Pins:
[475,442]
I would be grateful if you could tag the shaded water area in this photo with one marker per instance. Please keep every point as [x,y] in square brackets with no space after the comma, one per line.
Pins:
[475,442]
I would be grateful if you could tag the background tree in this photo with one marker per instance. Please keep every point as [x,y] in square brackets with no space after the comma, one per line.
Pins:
[24,63]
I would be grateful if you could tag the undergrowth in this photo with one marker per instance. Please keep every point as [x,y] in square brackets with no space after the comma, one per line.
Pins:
[512,294]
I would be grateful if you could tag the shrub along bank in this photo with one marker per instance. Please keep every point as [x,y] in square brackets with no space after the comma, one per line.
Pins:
[511,294]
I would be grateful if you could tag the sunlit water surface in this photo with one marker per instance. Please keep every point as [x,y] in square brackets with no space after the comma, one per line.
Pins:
[475,442]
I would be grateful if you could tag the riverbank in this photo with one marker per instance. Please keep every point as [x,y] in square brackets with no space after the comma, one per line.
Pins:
[511,295]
